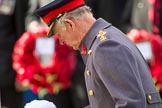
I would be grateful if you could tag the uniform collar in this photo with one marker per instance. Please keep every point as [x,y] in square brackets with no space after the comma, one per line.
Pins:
[88,39]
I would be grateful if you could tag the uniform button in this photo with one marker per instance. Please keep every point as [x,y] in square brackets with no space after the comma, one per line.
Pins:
[89,52]
[149,97]
[88,73]
[91,92]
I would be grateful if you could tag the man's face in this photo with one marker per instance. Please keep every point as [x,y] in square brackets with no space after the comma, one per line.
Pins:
[67,36]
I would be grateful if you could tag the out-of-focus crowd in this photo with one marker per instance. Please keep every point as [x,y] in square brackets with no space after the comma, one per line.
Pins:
[35,67]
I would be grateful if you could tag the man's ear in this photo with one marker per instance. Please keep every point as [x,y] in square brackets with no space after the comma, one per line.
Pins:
[70,24]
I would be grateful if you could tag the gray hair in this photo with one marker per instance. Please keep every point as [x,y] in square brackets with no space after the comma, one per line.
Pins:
[75,14]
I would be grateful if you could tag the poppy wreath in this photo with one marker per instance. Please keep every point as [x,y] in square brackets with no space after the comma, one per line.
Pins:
[155,63]
[33,75]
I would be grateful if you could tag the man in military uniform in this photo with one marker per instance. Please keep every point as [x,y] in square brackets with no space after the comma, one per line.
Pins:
[116,74]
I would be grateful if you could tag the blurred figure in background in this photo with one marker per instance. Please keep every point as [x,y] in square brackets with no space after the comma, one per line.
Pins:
[110,10]
[12,18]
[142,14]
[135,16]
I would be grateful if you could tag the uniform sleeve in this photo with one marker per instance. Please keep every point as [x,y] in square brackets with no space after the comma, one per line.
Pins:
[117,69]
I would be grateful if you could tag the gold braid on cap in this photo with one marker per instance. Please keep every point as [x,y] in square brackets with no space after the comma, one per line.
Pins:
[55,19]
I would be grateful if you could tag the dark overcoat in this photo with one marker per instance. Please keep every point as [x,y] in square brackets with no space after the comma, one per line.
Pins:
[116,73]
[11,28]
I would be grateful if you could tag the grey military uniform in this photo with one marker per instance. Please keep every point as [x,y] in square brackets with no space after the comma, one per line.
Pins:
[116,74]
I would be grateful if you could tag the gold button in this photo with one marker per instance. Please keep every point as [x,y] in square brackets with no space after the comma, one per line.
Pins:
[88,73]
[89,52]
[91,92]
[149,97]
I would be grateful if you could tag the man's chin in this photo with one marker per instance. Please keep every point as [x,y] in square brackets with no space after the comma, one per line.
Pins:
[75,48]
